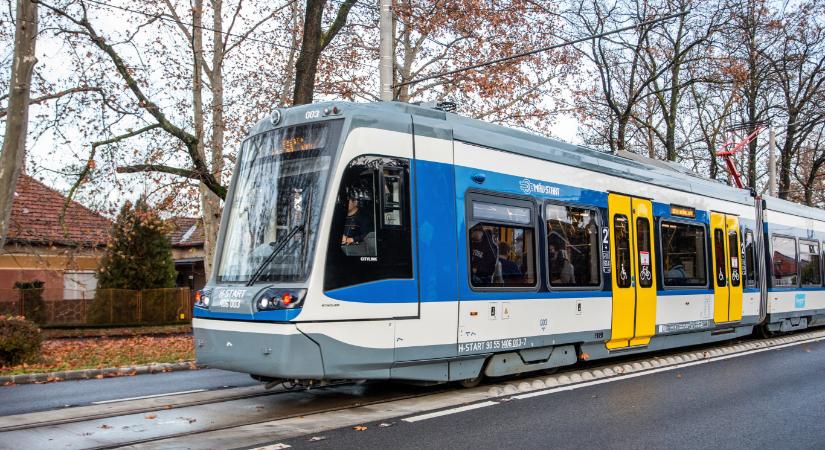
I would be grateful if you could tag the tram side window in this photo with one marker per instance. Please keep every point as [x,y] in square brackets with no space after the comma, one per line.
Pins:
[683,254]
[621,236]
[783,261]
[750,259]
[810,268]
[501,255]
[572,246]
[370,236]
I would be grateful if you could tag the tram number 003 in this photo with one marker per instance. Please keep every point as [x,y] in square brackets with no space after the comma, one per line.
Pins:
[314,114]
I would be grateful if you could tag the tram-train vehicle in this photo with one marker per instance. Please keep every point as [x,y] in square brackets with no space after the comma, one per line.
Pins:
[398,241]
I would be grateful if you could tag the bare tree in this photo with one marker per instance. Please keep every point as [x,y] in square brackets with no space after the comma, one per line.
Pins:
[798,72]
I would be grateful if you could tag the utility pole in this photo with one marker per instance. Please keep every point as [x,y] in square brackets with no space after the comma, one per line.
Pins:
[772,162]
[17,119]
[385,48]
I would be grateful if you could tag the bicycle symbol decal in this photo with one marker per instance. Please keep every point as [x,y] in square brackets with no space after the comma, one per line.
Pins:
[645,273]
[734,275]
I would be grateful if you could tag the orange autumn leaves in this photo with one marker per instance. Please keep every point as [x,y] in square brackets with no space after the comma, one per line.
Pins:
[103,352]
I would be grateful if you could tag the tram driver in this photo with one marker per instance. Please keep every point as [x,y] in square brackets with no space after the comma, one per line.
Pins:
[359,221]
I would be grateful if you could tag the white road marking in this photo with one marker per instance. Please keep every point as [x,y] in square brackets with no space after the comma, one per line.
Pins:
[449,411]
[278,446]
[659,370]
[102,402]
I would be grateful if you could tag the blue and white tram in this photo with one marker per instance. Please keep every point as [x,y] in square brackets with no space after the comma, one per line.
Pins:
[394,241]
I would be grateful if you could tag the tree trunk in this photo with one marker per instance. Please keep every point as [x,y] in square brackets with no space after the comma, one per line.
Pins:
[621,134]
[786,158]
[211,203]
[17,121]
[289,70]
[207,203]
[307,63]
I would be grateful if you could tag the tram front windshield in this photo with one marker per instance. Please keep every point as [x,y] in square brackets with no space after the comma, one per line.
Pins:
[280,184]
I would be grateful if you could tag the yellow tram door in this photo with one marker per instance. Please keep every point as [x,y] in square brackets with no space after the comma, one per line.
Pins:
[633,270]
[726,253]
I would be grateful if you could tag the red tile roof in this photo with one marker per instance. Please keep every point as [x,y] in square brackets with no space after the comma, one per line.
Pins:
[35,218]
[186,232]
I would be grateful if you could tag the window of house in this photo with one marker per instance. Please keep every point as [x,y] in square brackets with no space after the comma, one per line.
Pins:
[573,258]
[683,254]
[783,261]
[810,269]
[501,242]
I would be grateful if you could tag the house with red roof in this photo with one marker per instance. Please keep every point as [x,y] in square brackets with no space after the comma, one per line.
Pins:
[39,247]
[188,251]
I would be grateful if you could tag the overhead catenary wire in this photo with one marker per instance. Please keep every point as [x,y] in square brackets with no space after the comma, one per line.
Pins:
[540,50]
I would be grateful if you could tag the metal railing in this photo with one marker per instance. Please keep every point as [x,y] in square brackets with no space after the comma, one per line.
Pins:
[65,307]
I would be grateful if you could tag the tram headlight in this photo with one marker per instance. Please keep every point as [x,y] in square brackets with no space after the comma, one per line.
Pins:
[202,298]
[274,299]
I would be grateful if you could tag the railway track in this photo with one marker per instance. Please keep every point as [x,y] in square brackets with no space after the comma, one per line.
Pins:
[188,415]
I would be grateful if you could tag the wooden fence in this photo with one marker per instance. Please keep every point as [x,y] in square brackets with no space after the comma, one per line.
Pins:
[63,307]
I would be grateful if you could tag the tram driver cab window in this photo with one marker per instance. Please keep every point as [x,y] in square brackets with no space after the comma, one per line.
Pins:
[370,237]
[358,237]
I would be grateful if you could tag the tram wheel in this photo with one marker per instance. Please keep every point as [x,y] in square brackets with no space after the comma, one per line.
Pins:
[764,332]
[472,382]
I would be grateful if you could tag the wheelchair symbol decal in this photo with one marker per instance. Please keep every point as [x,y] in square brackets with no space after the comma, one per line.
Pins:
[721,275]
[622,273]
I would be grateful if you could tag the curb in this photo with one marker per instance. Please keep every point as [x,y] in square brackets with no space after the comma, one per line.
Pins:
[87,374]
[609,371]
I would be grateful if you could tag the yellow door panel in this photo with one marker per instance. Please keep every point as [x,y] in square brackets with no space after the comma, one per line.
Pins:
[734,268]
[721,273]
[644,271]
[621,265]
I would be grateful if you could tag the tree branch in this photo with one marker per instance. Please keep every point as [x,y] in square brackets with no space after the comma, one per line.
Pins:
[337,24]
[191,142]
[140,168]
[52,96]
[90,163]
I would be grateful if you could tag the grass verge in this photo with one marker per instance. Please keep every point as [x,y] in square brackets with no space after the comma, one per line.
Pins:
[102,352]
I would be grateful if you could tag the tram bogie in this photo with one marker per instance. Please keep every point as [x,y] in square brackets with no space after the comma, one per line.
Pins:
[392,241]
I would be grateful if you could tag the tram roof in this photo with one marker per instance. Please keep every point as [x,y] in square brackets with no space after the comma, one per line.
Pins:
[627,165]
[477,132]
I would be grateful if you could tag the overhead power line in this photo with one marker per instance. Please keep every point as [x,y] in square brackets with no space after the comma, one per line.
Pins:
[540,50]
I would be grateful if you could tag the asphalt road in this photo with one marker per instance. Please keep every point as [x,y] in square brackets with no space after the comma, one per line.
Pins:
[774,399]
[25,398]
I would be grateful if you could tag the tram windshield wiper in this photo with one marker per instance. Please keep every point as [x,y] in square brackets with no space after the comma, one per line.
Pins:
[278,247]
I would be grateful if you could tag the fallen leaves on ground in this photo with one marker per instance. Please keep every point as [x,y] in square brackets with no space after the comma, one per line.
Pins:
[105,427]
[104,352]
[359,428]
[150,416]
